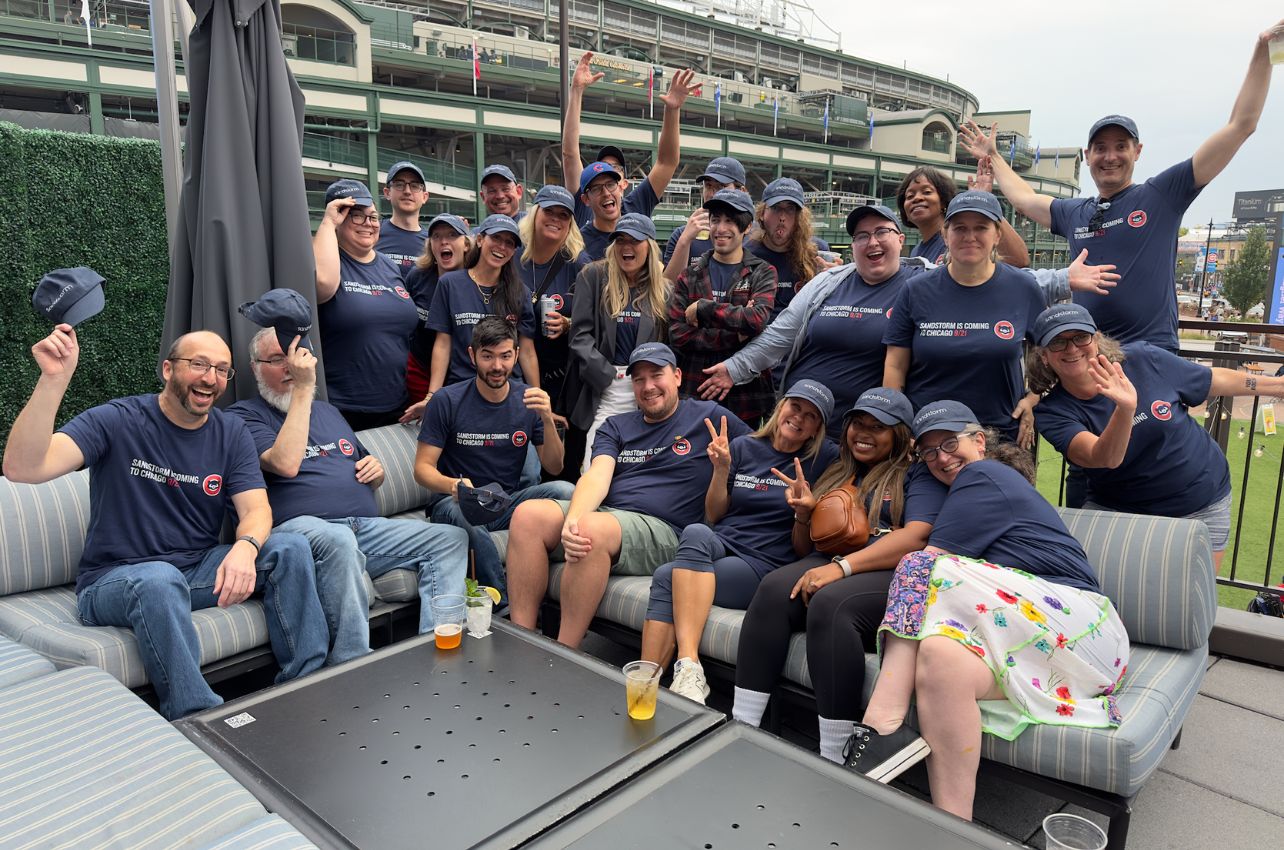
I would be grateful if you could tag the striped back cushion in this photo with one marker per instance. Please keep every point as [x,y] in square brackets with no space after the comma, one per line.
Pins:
[1157,570]
[395,447]
[43,532]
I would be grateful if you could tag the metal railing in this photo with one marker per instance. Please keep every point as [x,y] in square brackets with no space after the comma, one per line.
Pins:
[318,44]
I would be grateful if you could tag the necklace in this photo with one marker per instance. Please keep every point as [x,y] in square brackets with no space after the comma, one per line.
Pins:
[486,292]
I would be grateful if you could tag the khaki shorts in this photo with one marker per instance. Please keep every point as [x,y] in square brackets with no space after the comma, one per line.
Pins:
[645,542]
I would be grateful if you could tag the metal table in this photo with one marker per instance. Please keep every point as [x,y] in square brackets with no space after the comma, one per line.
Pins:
[741,787]
[486,745]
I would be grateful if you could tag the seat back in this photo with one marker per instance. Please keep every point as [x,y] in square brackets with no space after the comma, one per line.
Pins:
[43,532]
[1158,571]
[395,446]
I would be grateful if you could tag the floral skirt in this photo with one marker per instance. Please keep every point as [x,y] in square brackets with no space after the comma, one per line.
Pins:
[1057,652]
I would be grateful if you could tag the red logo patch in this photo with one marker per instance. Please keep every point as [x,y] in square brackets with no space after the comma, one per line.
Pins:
[1137,218]
[346,447]
[1161,410]
[401,290]
[1004,330]
[681,446]
[519,438]
[558,301]
[212,485]
[889,312]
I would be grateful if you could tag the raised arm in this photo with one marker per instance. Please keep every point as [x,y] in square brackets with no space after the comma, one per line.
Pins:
[1107,450]
[681,256]
[325,248]
[285,455]
[666,158]
[572,165]
[717,498]
[1012,248]
[1028,202]
[1218,150]
[34,453]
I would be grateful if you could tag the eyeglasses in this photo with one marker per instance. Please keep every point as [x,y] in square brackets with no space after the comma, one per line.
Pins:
[403,185]
[275,362]
[362,218]
[1098,215]
[200,367]
[598,189]
[880,233]
[1061,343]
[948,445]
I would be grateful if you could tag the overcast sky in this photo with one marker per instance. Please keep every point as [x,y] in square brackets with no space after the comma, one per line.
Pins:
[1173,66]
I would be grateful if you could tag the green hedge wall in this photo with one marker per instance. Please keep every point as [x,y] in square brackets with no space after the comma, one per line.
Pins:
[78,200]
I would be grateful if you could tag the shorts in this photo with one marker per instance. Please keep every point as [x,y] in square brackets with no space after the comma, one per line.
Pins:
[645,542]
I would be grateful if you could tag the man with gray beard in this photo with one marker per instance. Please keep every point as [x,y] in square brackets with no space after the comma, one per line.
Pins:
[321,484]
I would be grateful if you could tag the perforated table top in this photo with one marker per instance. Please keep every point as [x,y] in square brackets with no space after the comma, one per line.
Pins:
[741,788]
[485,745]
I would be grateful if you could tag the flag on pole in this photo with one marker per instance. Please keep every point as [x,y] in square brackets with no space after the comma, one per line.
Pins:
[717,102]
[1037,149]
[1056,160]
[650,89]
[826,119]
[1012,151]
[775,114]
[86,15]
[476,66]
[871,129]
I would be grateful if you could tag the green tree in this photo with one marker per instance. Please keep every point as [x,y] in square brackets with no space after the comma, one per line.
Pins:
[1244,281]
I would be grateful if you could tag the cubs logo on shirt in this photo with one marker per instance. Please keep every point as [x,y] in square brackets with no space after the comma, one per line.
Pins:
[1161,410]
[401,290]
[558,301]
[519,438]
[889,312]
[346,447]
[212,485]
[1137,218]
[1004,330]
[681,446]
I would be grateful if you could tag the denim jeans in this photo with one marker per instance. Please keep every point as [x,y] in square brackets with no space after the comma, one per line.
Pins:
[156,600]
[490,569]
[345,548]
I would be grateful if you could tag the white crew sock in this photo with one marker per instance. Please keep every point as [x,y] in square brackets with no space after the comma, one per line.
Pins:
[833,735]
[749,706]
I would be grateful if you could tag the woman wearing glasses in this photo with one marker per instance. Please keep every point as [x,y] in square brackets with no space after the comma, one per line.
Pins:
[366,316]
[996,625]
[1121,413]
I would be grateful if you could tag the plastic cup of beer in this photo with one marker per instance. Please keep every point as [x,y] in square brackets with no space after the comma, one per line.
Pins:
[641,688]
[703,234]
[448,615]
[1276,48]
[1070,832]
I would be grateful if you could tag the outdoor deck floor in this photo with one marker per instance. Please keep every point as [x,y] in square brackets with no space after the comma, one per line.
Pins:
[1223,788]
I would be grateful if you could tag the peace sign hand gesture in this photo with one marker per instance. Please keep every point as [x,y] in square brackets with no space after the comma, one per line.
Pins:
[798,493]
[719,450]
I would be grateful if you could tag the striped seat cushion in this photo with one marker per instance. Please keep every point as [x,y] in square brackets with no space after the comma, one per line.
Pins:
[43,532]
[86,764]
[266,833]
[18,664]
[46,621]
[395,446]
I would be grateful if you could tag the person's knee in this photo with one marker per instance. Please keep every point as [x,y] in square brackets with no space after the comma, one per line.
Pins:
[662,583]
[539,519]
[329,541]
[603,530]
[697,534]
[158,583]
[938,666]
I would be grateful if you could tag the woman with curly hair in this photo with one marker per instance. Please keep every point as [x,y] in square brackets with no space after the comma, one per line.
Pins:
[922,199]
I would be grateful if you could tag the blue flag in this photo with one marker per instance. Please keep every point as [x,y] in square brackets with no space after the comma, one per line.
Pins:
[1012,151]
[775,114]
[717,102]
[826,119]
[871,129]
[1037,149]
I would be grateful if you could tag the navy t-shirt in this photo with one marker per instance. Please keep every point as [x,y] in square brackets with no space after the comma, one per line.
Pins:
[662,469]
[698,246]
[1172,466]
[965,341]
[626,330]
[403,247]
[559,288]
[457,306]
[842,345]
[481,440]
[932,250]
[326,485]
[1138,233]
[641,200]
[758,523]
[422,285]
[994,514]
[786,280]
[157,492]
[365,334]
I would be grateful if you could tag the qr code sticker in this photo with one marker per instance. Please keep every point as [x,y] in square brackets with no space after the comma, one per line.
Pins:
[239,720]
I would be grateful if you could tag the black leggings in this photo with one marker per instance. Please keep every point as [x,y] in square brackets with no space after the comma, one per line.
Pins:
[841,623]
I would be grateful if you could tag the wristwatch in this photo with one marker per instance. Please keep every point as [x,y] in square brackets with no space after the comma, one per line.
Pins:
[843,565]
[249,538]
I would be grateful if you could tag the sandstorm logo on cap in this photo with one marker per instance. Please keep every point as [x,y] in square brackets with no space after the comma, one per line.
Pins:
[928,414]
[681,446]
[346,447]
[1161,410]
[519,438]
[1004,330]
[212,485]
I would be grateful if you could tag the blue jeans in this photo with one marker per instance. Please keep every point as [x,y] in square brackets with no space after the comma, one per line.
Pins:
[490,569]
[345,548]
[156,600]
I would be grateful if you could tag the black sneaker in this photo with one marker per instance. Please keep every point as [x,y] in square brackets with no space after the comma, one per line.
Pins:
[883,757]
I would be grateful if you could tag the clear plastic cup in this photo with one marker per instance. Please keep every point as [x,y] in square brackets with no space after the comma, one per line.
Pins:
[1071,832]
[448,616]
[1276,49]
[641,688]
[479,615]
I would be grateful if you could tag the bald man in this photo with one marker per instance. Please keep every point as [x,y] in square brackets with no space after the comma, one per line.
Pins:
[164,471]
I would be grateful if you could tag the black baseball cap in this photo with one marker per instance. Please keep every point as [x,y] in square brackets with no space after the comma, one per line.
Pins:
[285,310]
[610,150]
[1128,125]
[69,295]
[405,165]
[885,404]
[724,169]
[854,217]
[944,415]
[656,353]
[354,189]
[483,504]
[1060,318]
[734,198]
[784,189]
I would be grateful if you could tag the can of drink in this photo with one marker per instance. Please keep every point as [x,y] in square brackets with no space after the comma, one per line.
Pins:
[546,305]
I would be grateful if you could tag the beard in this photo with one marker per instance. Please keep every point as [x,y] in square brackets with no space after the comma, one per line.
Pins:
[277,401]
[182,393]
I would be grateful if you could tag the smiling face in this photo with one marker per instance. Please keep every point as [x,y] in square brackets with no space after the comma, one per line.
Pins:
[1071,363]
[880,257]
[922,202]
[630,254]
[552,224]
[798,421]
[971,238]
[945,466]
[359,231]
[1111,156]
[494,363]
[778,223]
[497,249]
[501,196]
[604,195]
[448,247]
[196,393]
[724,231]
[868,439]
[655,389]
[406,192]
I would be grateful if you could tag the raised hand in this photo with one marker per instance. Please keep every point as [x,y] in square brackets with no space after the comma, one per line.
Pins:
[719,450]
[679,88]
[58,353]
[798,493]
[1085,278]
[977,142]
[718,384]
[337,210]
[983,180]
[1112,382]
[584,75]
[301,365]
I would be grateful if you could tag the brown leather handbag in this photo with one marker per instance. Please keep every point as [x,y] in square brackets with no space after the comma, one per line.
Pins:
[838,522]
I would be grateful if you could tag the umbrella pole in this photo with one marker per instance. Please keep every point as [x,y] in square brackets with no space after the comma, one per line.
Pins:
[162,21]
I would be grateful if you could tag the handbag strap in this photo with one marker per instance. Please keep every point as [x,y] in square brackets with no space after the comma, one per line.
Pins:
[554,266]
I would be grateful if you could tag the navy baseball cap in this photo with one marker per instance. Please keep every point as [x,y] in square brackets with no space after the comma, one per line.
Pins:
[595,170]
[458,224]
[651,352]
[885,404]
[354,189]
[978,202]
[638,226]
[497,171]
[1060,318]
[1128,125]
[285,310]
[942,415]
[499,223]
[69,295]
[553,195]
[734,198]
[405,165]
[784,189]
[724,169]
[610,150]
[854,217]
[483,504]
[814,392]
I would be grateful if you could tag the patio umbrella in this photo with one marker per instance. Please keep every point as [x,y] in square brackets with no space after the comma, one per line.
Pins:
[242,225]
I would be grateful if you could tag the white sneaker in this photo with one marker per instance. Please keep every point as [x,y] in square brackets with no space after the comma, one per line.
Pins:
[689,681]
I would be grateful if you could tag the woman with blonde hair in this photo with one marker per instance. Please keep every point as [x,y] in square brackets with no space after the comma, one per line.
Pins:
[621,302]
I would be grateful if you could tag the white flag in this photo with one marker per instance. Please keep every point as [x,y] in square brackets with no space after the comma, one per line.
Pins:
[86,15]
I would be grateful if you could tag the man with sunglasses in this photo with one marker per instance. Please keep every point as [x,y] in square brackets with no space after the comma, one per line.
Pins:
[165,469]
[401,239]
[1134,226]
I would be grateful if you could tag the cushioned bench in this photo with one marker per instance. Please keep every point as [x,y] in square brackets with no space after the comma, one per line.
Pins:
[1159,574]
